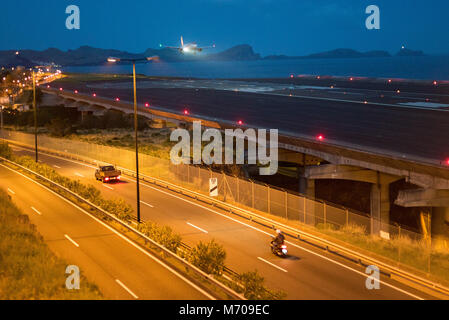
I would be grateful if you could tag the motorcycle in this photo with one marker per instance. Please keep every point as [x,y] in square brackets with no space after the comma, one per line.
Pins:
[280,251]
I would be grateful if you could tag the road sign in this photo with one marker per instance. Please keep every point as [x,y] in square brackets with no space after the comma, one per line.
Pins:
[213,187]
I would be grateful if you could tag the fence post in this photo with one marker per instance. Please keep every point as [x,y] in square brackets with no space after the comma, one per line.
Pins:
[286,204]
[324,213]
[399,247]
[268,200]
[347,217]
[252,194]
[305,199]
[238,189]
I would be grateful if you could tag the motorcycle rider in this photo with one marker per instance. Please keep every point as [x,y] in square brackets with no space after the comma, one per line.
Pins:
[279,240]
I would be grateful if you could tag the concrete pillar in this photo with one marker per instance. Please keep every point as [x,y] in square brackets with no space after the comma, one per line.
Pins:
[380,208]
[440,226]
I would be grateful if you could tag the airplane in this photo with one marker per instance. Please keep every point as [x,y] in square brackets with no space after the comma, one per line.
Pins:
[188,47]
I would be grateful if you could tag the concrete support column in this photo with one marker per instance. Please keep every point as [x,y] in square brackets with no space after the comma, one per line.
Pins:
[440,226]
[380,208]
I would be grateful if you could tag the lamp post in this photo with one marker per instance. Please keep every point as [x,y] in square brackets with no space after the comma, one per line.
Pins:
[35,111]
[113,60]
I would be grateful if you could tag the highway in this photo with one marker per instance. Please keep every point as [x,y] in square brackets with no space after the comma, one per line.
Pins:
[121,269]
[308,272]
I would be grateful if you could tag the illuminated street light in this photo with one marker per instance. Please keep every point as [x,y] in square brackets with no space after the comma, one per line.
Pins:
[114,60]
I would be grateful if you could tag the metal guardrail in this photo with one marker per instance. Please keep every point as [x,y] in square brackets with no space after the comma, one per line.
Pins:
[267,222]
[199,272]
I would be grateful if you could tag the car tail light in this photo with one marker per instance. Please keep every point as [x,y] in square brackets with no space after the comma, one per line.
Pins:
[106,179]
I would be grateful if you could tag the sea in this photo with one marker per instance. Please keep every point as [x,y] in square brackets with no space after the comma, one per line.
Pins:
[424,67]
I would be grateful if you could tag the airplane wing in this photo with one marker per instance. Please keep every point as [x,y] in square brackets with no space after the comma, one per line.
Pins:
[179,48]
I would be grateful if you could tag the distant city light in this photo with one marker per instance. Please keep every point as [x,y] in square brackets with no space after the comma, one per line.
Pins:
[399,91]
[60,89]
[320,137]
[389,80]
[76,91]
[117,99]
[350,79]
[240,122]
[147,104]
[94,94]
[186,112]
[435,83]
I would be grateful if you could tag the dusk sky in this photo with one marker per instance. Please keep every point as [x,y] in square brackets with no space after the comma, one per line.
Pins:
[292,27]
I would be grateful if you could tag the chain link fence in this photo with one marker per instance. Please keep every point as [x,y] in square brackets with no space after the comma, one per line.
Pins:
[402,246]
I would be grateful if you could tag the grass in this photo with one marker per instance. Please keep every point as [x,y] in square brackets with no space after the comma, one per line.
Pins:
[28,268]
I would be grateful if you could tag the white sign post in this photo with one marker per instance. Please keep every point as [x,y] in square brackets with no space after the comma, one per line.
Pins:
[213,187]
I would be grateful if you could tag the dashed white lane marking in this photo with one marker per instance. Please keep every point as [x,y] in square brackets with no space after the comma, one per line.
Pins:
[56,166]
[11,191]
[194,226]
[271,264]
[70,239]
[79,175]
[106,186]
[126,288]
[35,210]
[147,204]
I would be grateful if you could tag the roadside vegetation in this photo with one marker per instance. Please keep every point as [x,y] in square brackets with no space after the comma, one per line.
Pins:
[28,268]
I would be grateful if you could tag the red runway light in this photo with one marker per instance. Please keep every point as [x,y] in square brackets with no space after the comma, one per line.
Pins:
[117,99]
[94,94]
[389,81]
[48,87]
[240,122]
[186,112]
[320,137]
[76,91]
[147,104]
[435,83]
[350,79]
[60,89]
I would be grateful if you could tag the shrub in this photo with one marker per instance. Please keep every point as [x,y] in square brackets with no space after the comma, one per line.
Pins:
[254,288]
[209,257]
[162,235]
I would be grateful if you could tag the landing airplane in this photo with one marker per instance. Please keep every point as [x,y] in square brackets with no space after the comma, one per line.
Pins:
[189,47]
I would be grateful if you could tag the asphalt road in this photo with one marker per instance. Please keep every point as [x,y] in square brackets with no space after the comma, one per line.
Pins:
[119,268]
[308,273]
[382,125]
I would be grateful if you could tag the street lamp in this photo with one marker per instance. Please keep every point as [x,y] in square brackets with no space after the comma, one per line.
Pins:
[35,110]
[114,60]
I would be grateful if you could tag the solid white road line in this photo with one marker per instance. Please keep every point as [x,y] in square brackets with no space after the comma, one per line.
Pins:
[11,191]
[126,288]
[35,210]
[194,226]
[106,186]
[79,175]
[147,204]
[71,240]
[237,221]
[272,264]
[193,285]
